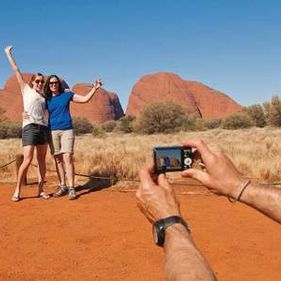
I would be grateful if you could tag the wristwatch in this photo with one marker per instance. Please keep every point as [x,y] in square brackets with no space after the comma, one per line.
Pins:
[160,226]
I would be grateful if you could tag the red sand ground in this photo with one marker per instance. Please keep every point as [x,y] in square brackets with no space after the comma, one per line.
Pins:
[103,236]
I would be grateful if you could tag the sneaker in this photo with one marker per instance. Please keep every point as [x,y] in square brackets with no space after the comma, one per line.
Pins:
[62,190]
[71,193]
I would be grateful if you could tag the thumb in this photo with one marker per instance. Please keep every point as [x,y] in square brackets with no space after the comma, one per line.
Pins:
[145,178]
[201,176]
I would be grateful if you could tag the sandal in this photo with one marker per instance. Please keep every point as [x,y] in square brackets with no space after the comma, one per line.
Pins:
[44,195]
[16,198]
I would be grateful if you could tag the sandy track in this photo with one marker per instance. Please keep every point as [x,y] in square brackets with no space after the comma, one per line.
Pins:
[103,236]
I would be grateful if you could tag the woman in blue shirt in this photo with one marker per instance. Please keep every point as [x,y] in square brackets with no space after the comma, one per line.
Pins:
[60,124]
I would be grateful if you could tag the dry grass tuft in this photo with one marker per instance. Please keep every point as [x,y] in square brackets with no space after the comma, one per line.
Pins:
[254,151]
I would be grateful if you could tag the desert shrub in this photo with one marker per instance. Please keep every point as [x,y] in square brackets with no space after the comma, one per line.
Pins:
[125,124]
[10,129]
[82,125]
[163,118]
[192,123]
[109,126]
[256,112]
[97,131]
[238,120]
[212,124]
[273,111]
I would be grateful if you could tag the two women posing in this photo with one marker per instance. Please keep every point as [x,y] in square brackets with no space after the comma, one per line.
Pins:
[37,99]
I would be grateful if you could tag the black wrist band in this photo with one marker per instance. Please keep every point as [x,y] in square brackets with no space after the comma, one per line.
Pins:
[160,226]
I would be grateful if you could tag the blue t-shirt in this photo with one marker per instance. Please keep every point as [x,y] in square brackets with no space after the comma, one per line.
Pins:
[59,113]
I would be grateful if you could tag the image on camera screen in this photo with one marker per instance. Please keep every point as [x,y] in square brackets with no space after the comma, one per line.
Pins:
[168,159]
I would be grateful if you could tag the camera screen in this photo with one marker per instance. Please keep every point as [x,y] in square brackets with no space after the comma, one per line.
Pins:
[168,159]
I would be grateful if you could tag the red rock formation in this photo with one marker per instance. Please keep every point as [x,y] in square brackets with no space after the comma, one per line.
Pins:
[11,98]
[194,96]
[103,107]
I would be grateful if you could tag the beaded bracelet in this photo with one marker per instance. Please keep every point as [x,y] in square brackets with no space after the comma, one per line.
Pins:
[242,189]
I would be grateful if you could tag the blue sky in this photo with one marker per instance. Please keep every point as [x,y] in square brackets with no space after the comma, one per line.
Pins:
[232,46]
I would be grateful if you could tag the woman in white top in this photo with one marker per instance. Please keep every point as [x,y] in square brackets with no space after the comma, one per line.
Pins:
[35,132]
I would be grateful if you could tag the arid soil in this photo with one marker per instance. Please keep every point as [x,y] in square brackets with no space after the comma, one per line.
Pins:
[103,236]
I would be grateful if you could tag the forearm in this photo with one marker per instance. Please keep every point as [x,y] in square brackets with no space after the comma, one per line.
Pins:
[183,259]
[265,198]
[15,69]
[85,99]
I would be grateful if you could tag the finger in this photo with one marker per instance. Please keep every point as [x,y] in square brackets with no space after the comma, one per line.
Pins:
[145,178]
[162,181]
[201,176]
[200,145]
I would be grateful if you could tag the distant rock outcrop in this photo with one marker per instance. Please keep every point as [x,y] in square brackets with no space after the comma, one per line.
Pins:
[194,96]
[104,106]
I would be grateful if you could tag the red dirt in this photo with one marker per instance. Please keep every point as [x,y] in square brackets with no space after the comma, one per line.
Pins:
[103,236]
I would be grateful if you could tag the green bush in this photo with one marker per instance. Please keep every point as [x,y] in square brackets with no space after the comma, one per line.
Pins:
[125,124]
[256,112]
[98,132]
[212,123]
[164,118]
[10,129]
[82,126]
[273,111]
[109,126]
[238,120]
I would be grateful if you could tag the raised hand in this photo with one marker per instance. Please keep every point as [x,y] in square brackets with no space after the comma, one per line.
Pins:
[8,49]
[98,83]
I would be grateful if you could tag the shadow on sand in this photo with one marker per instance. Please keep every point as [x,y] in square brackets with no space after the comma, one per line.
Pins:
[96,183]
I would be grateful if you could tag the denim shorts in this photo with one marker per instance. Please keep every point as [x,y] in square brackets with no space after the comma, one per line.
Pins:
[35,134]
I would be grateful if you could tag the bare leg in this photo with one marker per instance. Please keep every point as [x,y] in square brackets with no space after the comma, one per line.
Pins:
[69,168]
[60,169]
[27,158]
[41,159]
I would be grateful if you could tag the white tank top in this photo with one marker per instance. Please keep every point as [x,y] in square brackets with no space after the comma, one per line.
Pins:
[35,106]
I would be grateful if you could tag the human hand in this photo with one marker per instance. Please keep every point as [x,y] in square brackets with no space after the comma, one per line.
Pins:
[221,176]
[156,199]
[8,49]
[98,83]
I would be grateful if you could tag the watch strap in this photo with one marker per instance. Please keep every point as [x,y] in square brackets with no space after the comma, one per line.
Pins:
[163,224]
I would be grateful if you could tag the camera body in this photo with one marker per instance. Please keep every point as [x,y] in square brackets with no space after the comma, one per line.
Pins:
[172,158]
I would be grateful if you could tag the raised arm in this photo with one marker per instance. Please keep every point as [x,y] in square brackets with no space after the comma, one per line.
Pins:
[8,52]
[182,258]
[84,99]
[222,177]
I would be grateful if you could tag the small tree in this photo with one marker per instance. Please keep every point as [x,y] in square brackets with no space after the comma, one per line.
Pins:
[125,124]
[82,125]
[109,126]
[256,112]
[273,111]
[98,132]
[238,120]
[10,129]
[212,123]
[162,118]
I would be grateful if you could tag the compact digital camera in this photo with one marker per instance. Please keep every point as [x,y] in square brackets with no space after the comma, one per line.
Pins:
[172,158]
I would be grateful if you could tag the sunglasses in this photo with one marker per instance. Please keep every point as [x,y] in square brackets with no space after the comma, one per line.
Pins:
[53,83]
[39,81]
